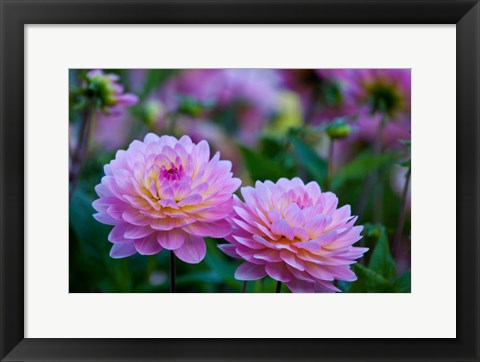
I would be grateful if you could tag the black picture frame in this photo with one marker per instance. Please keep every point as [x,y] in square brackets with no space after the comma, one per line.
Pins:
[15,14]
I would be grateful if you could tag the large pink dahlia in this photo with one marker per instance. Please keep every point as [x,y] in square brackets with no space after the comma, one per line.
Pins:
[295,234]
[165,193]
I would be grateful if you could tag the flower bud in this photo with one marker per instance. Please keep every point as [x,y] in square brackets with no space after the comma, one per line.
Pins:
[105,91]
[338,129]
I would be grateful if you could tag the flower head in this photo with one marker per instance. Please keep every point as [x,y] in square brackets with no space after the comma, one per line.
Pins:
[381,90]
[165,193]
[107,92]
[295,234]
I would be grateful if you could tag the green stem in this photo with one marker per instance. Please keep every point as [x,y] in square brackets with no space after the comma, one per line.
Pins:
[330,163]
[372,178]
[403,213]
[278,289]
[78,156]
[244,286]
[172,272]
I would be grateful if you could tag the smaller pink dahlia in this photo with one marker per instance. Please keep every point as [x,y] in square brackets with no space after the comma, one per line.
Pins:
[295,234]
[165,193]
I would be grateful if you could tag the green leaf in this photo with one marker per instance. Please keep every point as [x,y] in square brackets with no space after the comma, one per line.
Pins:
[369,281]
[404,283]
[381,260]
[262,168]
[91,233]
[361,167]
[308,157]
[154,78]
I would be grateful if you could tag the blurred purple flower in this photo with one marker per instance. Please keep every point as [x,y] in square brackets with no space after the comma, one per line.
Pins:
[379,93]
[251,94]
[380,90]
[112,130]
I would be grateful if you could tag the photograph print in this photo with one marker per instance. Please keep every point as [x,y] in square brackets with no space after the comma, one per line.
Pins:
[239,180]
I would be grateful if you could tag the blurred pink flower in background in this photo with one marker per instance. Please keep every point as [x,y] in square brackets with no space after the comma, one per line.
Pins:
[165,193]
[108,92]
[112,130]
[252,95]
[295,234]
[379,93]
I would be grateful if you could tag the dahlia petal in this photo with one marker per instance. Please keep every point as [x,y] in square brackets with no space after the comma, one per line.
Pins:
[135,217]
[200,188]
[267,232]
[148,245]
[294,215]
[151,137]
[313,190]
[341,214]
[116,211]
[301,274]
[180,190]
[274,215]
[202,153]
[167,223]
[102,190]
[180,151]
[190,200]
[117,234]
[278,271]
[172,239]
[105,218]
[122,250]
[325,238]
[192,251]
[300,286]
[281,227]
[137,232]
[301,234]
[252,244]
[342,273]
[330,202]
[229,249]
[169,203]
[247,255]
[186,142]
[318,271]
[347,238]
[244,214]
[316,225]
[269,255]
[140,203]
[248,271]
[325,287]
[308,245]
[218,229]
[290,258]
[262,241]
[103,203]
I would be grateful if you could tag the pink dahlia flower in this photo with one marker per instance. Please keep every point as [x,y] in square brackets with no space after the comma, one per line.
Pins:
[295,234]
[165,193]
